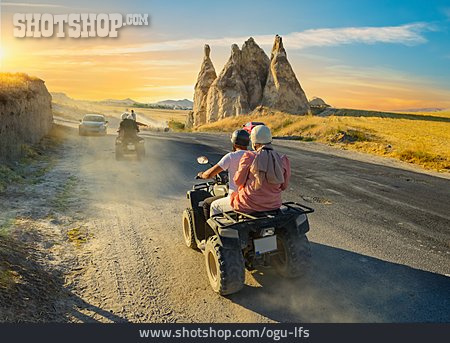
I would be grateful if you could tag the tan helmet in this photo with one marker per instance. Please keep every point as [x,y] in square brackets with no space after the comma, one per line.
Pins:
[261,135]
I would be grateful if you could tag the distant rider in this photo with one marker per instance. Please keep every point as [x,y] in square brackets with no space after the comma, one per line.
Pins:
[128,127]
[229,162]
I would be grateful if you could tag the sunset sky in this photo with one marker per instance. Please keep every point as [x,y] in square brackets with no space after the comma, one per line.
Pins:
[359,54]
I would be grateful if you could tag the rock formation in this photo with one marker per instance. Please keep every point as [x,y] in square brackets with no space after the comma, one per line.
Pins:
[228,96]
[249,79]
[283,91]
[255,65]
[189,120]
[316,102]
[206,77]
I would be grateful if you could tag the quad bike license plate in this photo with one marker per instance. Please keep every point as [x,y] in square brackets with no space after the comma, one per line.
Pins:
[131,147]
[265,244]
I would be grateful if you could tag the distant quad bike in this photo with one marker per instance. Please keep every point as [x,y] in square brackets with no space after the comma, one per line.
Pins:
[232,242]
[130,146]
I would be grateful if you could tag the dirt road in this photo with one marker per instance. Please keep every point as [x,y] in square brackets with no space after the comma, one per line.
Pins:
[376,254]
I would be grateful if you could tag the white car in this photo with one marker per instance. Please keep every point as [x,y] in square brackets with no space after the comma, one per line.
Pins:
[93,124]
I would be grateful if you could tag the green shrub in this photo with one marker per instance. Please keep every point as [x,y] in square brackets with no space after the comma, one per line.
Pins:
[7,176]
[176,125]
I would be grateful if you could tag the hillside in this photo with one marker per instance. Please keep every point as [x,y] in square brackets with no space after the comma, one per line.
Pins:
[184,104]
[419,138]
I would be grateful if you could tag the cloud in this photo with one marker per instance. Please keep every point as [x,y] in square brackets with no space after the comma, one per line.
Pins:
[146,88]
[24,4]
[377,79]
[446,12]
[408,34]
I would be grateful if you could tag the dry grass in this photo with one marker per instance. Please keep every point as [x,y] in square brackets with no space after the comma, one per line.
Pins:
[78,235]
[15,79]
[419,138]
[14,85]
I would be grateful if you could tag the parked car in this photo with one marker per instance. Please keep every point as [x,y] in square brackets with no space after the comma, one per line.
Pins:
[250,125]
[93,124]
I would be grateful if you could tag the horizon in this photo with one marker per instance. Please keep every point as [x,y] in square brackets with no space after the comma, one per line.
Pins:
[355,54]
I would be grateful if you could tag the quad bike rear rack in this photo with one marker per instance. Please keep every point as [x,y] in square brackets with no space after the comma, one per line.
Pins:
[231,218]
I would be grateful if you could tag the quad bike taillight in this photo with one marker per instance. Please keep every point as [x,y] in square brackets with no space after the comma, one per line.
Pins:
[269,231]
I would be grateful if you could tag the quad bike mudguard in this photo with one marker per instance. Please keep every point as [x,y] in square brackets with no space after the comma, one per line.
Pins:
[195,197]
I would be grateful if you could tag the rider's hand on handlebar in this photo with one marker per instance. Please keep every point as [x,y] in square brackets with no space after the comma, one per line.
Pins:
[199,175]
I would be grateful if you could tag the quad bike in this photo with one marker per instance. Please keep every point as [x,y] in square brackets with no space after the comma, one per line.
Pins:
[232,241]
[129,146]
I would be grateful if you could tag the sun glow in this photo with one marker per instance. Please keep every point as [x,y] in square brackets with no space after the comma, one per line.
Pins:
[2,58]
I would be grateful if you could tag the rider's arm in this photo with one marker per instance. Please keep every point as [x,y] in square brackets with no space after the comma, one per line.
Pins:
[222,165]
[211,172]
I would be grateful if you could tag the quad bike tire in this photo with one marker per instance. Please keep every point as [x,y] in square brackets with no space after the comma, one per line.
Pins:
[119,152]
[188,229]
[225,267]
[140,150]
[294,258]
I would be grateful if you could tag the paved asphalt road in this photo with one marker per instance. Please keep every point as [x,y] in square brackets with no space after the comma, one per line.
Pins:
[380,235]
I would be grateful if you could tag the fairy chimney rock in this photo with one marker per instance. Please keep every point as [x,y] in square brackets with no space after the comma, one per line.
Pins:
[283,91]
[227,96]
[248,79]
[206,77]
[255,66]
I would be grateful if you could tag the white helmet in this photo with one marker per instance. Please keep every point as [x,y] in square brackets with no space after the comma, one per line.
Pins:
[261,135]
[124,115]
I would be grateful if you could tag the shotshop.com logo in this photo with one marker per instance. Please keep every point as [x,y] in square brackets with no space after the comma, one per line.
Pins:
[74,25]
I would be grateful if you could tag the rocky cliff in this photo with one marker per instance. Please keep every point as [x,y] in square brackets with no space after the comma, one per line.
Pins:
[248,79]
[25,113]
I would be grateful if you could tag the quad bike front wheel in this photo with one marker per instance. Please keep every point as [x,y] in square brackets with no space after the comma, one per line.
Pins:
[294,256]
[188,229]
[140,150]
[119,152]
[225,267]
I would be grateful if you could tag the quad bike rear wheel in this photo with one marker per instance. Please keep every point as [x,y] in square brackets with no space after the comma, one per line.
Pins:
[225,267]
[188,229]
[294,257]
